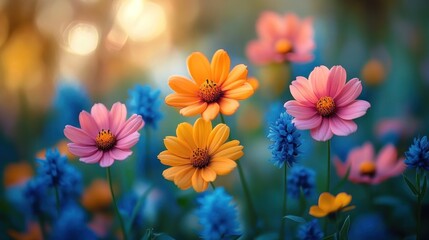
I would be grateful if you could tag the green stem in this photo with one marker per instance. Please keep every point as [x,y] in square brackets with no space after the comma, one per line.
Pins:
[137,208]
[213,186]
[109,179]
[57,199]
[283,222]
[328,179]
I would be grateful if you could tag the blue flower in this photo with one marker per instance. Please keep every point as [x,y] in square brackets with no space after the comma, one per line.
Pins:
[301,178]
[72,225]
[310,231]
[369,226]
[417,155]
[285,141]
[37,197]
[218,215]
[145,102]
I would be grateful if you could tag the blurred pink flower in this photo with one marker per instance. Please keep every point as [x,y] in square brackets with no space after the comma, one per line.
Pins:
[104,135]
[366,168]
[325,103]
[281,38]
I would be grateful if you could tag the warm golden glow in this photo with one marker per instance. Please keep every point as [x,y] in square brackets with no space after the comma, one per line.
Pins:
[82,38]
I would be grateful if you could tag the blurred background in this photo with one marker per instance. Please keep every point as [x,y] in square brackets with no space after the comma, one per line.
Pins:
[59,57]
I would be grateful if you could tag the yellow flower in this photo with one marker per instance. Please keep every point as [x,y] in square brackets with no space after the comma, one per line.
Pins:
[198,154]
[214,87]
[329,204]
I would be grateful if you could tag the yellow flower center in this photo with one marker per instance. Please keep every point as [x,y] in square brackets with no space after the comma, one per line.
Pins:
[367,168]
[209,91]
[200,158]
[105,140]
[283,46]
[325,106]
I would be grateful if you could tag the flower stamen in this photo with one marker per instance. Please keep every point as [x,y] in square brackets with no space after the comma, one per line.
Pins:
[283,46]
[200,158]
[105,140]
[367,168]
[209,91]
[325,106]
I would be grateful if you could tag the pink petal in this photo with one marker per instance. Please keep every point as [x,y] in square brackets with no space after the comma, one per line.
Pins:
[342,127]
[269,25]
[301,90]
[387,157]
[350,92]
[101,116]
[356,157]
[94,158]
[290,26]
[341,167]
[354,110]
[106,160]
[128,141]
[299,57]
[322,132]
[336,80]
[304,41]
[119,154]
[77,135]
[260,52]
[88,124]
[318,80]
[117,115]
[133,124]
[81,150]
[300,111]
[309,123]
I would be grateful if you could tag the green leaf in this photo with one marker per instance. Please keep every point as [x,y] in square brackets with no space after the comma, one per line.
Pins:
[424,187]
[410,185]
[343,180]
[147,234]
[330,237]
[344,231]
[295,218]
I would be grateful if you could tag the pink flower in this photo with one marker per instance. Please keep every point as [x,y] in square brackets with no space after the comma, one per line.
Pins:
[281,38]
[104,136]
[365,168]
[325,103]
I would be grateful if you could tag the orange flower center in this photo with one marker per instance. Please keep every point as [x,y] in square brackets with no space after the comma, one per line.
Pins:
[200,158]
[209,91]
[105,140]
[367,168]
[283,46]
[325,106]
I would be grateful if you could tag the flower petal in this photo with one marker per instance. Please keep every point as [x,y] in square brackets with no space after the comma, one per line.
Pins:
[201,132]
[327,202]
[77,135]
[240,93]
[336,80]
[318,80]
[222,166]
[269,25]
[132,125]
[117,115]
[119,154]
[128,141]
[322,132]
[343,199]
[350,92]
[170,173]
[199,67]
[94,158]
[228,106]
[184,132]
[198,182]
[211,111]
[183,178]
[230,150]
[194,109]
[81,150]
[300,111]
[208,174]
[106,160]
[302,91]
[315,211]
[181,100]
[101,116]
[342,127]
[169,159]
[88,124]
[183,85]
[353,110]
[177,147]
[217,137]
[239,72]
[220,66]
[310,123]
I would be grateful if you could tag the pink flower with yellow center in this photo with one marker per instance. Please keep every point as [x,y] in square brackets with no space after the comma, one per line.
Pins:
[325,103]
[367,168]
[281,38]
[104,136]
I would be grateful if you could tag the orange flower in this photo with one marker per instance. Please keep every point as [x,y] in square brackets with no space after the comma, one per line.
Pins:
[198,154]
[62,148]
[97,196]
[214,88]
[329,204]
[17,173]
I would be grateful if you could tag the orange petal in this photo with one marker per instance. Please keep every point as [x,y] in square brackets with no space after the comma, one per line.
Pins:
[183,179]
[231,150]
[169,159]
[237,73]
[222,166]
[253,82]
[217,137]
[183,85]
[220,66]
[233,85]
[181,100]
[315,211]
[193,109]
[170,173]
[211,112]
[240,93]
[198,182]
[208,174]
[228,106]
[177,147]
[201,132]
[327,202]
[199,67]
[342,199]
[184,132]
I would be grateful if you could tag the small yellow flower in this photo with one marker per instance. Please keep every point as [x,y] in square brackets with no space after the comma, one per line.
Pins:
[198,154]
[329,204]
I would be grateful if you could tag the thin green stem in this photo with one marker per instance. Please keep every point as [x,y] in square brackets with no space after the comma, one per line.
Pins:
[221,118]
[328,178]
[121,222]
[213,186]
[57,199]
[283,222]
